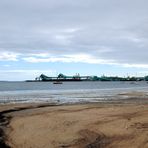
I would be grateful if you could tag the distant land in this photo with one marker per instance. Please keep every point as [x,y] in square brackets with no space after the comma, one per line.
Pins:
[77,77]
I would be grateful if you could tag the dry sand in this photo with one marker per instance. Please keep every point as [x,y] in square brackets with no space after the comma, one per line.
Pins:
[93,125]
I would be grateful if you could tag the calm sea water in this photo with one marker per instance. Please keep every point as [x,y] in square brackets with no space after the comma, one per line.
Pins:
[12,92]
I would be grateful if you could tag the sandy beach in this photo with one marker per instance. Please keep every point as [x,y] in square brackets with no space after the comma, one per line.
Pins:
[91,125]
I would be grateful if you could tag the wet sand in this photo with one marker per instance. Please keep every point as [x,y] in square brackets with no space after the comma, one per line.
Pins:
[92,125]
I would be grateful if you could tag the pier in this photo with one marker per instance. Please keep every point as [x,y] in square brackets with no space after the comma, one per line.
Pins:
[77,77]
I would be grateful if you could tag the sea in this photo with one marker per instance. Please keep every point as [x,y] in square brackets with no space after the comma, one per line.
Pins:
[67,92]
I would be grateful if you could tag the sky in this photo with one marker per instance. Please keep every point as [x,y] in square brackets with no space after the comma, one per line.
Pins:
[90,37]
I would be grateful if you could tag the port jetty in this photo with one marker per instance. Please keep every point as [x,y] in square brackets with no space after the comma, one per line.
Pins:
[77,77]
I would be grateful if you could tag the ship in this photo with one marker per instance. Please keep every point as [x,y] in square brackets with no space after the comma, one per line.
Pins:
[57,82]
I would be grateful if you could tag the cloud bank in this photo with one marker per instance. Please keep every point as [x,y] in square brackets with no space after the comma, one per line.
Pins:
[88,31]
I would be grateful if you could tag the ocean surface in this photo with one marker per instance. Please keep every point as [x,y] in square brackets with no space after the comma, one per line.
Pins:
[68,92]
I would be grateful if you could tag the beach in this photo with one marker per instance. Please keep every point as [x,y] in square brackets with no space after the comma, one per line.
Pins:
[111,124]
[73,74]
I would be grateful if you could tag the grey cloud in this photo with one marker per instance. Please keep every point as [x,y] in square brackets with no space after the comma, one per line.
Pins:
[109,29]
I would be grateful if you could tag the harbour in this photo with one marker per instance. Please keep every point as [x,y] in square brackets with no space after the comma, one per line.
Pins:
[78,77]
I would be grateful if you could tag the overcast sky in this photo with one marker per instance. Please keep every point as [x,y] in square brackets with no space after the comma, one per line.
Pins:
[92,37]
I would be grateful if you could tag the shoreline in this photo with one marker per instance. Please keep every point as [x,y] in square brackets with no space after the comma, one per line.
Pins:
[8,113]
[80,97]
